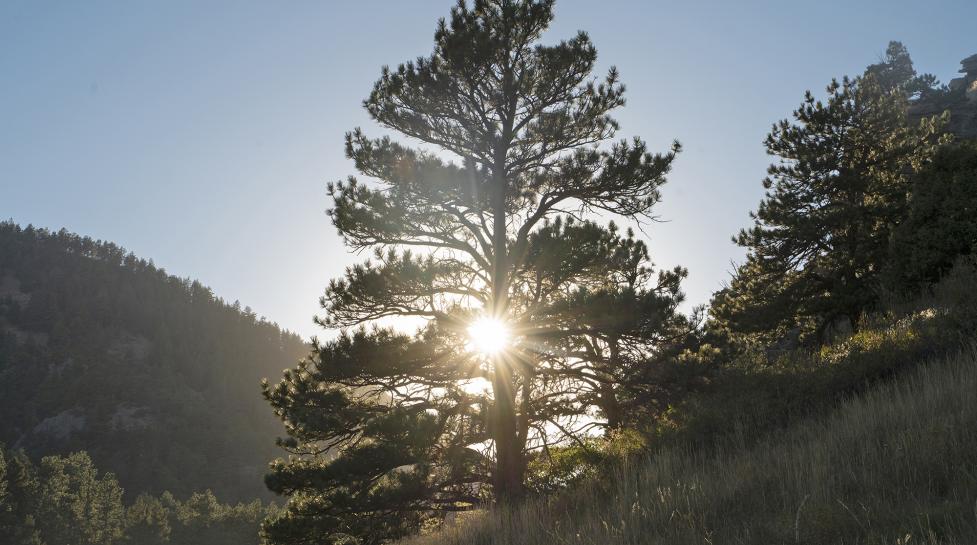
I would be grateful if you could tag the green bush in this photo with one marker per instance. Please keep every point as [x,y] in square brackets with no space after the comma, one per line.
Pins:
[565,467]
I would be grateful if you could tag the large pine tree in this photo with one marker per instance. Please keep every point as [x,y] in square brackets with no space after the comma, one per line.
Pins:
[820,237]
[538,325]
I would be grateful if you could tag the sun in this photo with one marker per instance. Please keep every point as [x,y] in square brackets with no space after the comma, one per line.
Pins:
[488,336]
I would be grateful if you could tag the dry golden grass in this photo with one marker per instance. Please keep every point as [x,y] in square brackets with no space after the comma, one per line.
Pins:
[896,466]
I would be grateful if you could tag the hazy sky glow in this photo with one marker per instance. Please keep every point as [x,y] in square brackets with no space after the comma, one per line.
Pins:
[202,135]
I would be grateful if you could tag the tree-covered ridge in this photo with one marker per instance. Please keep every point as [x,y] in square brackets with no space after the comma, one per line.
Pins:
[151,374]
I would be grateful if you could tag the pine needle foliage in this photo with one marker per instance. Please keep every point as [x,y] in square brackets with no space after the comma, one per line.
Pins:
[489,216]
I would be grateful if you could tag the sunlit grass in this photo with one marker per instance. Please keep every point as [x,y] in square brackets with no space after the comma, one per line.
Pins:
[895,466]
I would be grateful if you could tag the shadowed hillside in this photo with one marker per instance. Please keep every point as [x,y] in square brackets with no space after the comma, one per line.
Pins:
[895,466]
[152,375]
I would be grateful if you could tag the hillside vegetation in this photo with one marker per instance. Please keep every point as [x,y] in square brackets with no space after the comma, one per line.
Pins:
[152,375]
[894,465]
[65,500]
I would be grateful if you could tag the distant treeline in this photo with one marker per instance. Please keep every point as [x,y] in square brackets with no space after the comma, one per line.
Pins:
[64,499]
[152,375]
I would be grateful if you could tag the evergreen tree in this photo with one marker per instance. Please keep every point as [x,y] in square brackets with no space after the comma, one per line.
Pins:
[895,71]
[148,521]
[18,479]
[63,500]
[385,428]
[76,504]
[941,222]
[821,235]
[603,332]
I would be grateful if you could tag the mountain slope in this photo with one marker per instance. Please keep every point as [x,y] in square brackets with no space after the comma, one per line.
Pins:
[895,466]
[151,374]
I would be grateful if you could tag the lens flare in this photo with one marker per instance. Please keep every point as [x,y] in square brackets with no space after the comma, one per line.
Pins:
[488,336]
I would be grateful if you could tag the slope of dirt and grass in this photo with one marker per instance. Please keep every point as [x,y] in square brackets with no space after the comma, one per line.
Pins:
[870,441]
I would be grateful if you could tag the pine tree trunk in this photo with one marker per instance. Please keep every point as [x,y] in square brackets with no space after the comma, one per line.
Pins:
[509,468]
[508,463]
[608,396]
[610,406]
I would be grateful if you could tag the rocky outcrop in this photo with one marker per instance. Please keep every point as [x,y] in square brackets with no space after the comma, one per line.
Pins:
[960,100]
[128,418]
[62,425]
[967,85]
[10,289]
[131,347]
[969,65]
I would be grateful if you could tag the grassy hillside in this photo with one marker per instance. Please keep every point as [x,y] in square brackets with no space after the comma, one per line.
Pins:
[152,375]
[896,465]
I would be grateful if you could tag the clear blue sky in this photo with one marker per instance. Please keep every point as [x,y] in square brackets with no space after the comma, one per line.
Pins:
[202,134]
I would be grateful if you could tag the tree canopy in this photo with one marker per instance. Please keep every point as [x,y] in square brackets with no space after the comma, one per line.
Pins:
[489,220]
[821,235]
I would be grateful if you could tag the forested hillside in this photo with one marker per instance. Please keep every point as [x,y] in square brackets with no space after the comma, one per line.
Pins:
[152,375]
